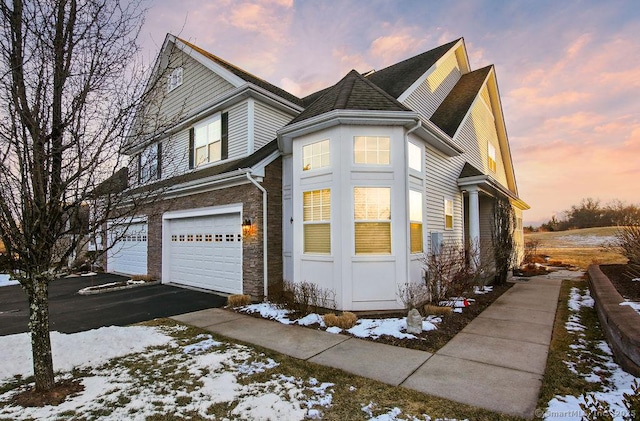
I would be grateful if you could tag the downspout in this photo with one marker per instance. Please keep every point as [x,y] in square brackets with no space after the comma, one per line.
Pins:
[406,194]
[264,234]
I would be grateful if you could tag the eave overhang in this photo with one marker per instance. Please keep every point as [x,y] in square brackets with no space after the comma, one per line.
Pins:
[226,100]
[428,131]
[489,185]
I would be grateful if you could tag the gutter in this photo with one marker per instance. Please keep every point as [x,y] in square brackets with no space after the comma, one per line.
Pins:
[264,234]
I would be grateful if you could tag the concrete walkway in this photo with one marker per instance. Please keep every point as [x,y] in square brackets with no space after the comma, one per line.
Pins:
[496,362]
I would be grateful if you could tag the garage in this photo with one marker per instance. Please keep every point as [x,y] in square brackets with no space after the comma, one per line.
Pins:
[127,251]
[203,249]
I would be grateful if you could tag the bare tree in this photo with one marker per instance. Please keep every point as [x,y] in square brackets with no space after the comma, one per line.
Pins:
[70,84]
[502,237]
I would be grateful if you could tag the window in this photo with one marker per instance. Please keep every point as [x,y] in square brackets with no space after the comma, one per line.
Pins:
[175,79]
[491,157]
[415,157]
[316,221]
[448,214]
[371,150]
[315,155]
[415,221]
[149,163]
[208,141]
[372,214]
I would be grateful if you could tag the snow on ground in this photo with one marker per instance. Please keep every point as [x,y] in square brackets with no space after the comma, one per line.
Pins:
[77,350]
[5,281]
[634,305]
[140,372]
[614,381]
[364,328]
[180,378]
[586,240]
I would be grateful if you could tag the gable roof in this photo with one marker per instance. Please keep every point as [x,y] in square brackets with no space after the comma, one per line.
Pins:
[398,77]
[353,92]
[469,171]
[455,106]
[244,75]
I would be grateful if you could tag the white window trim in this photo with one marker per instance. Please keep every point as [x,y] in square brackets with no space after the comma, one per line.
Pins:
[214,118]
[369,220]
[420,221]
[453,218]
[310,145]
[370,164]
[492,157]
[318,222]
[175,79]
[421,155]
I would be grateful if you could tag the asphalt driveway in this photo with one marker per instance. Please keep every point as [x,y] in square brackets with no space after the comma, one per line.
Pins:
[71,312]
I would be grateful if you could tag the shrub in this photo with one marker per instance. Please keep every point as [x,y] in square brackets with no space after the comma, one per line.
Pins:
[628,240]
[531,252]
[437,310]
[452,271]
[345,321]
[238,300]
[303,297]
[413,295]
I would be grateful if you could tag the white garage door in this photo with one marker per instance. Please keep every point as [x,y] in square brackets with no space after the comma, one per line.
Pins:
[206,252]
[129,252]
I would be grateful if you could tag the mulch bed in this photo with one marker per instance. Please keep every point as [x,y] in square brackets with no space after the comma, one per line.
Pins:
[432,340]
[621,279]
[451,324]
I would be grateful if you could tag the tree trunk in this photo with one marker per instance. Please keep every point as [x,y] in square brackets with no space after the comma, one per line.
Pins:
[40,339]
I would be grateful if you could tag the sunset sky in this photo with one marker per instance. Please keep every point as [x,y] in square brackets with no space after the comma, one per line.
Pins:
[568,71]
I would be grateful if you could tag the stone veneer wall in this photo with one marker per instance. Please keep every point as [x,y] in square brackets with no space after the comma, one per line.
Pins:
[621,324]
[251,198]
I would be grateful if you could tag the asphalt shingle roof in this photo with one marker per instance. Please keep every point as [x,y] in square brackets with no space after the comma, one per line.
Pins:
[469,171]
[246,75]
[455,106]
[353,92]
[398,77]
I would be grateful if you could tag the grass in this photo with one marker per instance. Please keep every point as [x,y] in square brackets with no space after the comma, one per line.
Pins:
[581,247]
[559,379]
[160,372]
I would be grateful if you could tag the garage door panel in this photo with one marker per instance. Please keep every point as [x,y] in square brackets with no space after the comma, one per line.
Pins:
[128,249]
[206,252]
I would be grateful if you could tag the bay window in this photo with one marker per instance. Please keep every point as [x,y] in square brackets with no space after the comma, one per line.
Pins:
[372,215]
[317,221]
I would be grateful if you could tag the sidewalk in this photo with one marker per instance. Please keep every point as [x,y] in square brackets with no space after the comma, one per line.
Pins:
[496,362]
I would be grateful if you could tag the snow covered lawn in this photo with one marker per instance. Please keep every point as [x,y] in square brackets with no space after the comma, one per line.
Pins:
[5,281]
[173,371]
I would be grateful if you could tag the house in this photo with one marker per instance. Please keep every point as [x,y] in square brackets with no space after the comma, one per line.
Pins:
[346,188]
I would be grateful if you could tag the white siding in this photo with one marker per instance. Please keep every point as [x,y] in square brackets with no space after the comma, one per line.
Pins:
[200,85]
[238,129]
[429,95]
[441,175]
[477,131]
[175,154]
[267,120]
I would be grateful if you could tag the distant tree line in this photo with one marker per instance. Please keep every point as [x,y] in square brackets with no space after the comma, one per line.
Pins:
[591,213]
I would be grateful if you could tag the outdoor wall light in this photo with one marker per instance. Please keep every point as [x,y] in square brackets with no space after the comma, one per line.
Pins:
[247,227]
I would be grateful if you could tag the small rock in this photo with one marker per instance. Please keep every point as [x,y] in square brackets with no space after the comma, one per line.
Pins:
[414,322]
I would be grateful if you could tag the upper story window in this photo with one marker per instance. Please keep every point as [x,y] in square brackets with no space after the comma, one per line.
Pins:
[149,161]
[491,158]
[372,215]
[174,79]
[208,140]
[316,155]
[371,150]
[448,214]
[316,210]
[415,218]
[415,157]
